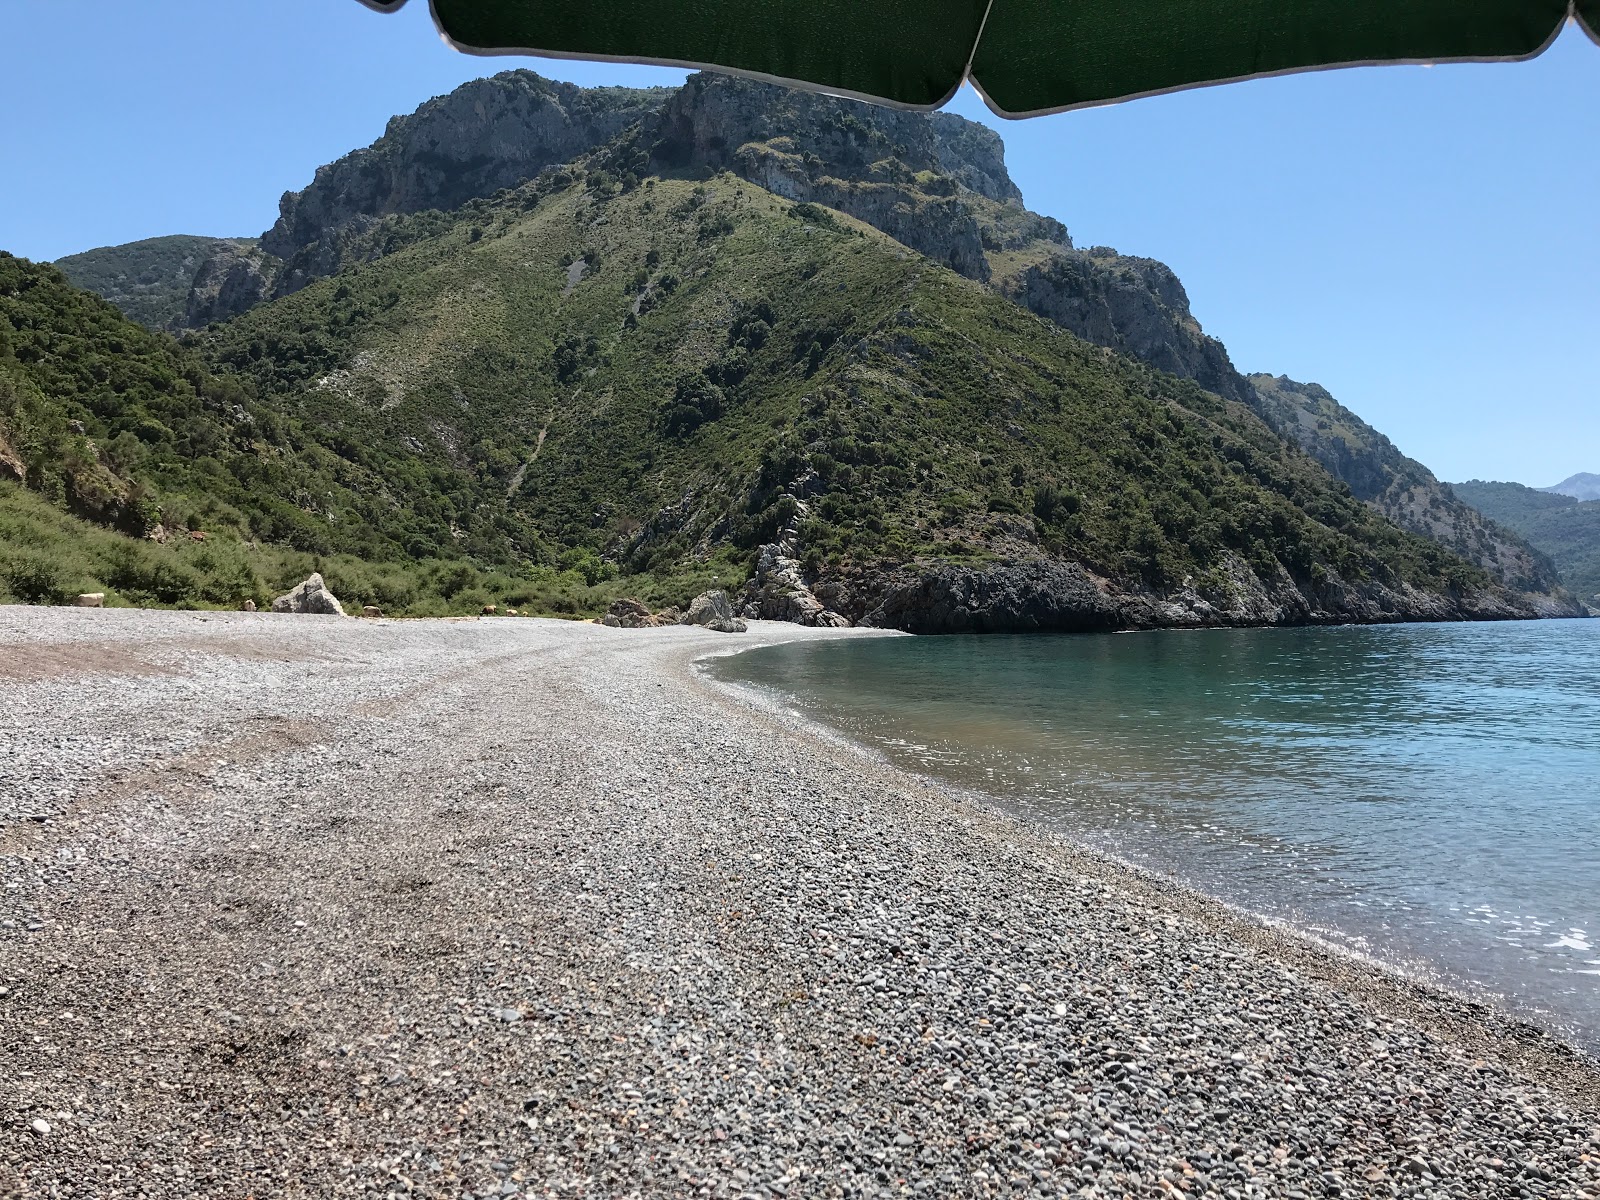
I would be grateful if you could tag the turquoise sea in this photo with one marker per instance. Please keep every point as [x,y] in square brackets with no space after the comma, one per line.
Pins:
[1426,794]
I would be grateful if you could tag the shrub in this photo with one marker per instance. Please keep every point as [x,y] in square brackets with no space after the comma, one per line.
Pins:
[34,578]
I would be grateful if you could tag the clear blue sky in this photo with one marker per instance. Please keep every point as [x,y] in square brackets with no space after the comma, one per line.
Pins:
[1423,242]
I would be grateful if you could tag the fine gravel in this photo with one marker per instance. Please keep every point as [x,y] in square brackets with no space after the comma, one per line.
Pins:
[301,906]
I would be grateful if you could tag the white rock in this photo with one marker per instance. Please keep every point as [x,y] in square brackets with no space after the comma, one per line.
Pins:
[714,611]
[312,596]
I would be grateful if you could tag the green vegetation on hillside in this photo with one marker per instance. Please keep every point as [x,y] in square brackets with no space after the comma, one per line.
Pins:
[120,425]
[1399,487]
[598,383]
[50,557]
[643,374]
[121,435]
[1563,527]
[148,280]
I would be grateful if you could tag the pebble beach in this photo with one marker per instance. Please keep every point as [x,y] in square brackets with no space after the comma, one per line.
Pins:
[300,906]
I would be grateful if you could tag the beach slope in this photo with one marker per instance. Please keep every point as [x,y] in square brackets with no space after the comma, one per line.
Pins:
[297,906]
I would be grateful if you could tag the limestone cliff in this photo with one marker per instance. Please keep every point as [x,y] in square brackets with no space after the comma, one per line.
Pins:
[485,136]
[1134,305]
[233,280]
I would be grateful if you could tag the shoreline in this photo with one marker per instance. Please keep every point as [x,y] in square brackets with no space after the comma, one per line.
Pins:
[309,907]
[1499,1022]
[1279,936]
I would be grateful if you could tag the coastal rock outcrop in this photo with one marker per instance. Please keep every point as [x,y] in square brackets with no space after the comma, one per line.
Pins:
[628,613]
[1044,595]
[1036,596]
[714,610]
[311,596]
[777,591]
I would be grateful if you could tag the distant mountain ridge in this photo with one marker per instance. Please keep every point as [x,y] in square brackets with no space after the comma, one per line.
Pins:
[1561,526]
[1582,486]
[149,280]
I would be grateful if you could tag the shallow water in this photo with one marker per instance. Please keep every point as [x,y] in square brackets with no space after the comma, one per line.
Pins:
[1427,794]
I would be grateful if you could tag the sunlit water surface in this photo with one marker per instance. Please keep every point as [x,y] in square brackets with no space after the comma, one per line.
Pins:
[1429,795]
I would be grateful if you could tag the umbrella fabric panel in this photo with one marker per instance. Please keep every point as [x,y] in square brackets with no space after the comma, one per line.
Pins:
[1033,56]
[1046,55]
[910,53]
[1588,14]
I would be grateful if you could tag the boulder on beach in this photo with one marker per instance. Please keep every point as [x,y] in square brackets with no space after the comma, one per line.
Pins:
[312,597]
[628,613]
[714,610]
[91,600]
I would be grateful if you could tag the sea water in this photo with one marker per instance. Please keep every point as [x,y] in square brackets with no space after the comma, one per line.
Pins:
[1426,794]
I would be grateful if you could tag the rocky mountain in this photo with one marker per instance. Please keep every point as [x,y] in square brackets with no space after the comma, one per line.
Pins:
[392,285]
[936,183]
[492,134]
[1561,526]
[1401,488]
[690,371]
[1582,486]
[477,140]
[149,280]
[680,378]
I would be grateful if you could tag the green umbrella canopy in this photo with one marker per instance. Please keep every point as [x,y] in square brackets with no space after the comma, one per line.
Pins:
[1026,57]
